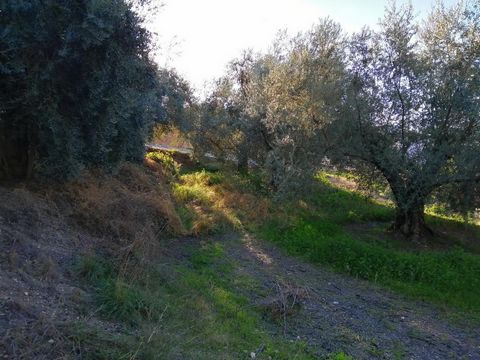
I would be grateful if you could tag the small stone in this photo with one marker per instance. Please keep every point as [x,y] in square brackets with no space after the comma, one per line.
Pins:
[51,341]
[253,355]
[26,293]
[335,303]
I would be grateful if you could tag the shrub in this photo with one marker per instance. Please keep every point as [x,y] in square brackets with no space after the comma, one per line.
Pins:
[166,160]
[78,86]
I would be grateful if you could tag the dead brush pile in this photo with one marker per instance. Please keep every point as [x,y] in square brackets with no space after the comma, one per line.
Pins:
[131,210]
[48,230]
[286,300]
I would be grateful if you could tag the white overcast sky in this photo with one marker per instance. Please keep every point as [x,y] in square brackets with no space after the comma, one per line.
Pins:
[210,33]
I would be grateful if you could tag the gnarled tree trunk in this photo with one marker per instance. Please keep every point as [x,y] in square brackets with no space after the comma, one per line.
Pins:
[242,162]
[410,222]
[16,158]
[242,157]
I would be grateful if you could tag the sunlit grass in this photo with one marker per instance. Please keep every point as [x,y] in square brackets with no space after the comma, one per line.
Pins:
[319,228]
[193,312]
[215,201]
[319,231]
[167,161]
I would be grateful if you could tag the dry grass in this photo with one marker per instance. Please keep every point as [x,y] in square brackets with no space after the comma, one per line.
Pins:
[129,212]
[250,208]
[44,228]
[170,137]
[286,301]
[216,200]
[133,203]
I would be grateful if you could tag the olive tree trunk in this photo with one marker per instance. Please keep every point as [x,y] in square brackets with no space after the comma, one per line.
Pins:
[410,222]
[16,158]
[410,210]
[242,162]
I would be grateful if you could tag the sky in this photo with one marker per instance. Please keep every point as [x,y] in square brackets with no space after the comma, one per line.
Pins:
[199,37]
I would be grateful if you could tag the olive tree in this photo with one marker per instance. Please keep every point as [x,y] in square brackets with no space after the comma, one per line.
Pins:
[227,126]
[78,87]
[301,94]
[272,108]
[411,108]
[179,104]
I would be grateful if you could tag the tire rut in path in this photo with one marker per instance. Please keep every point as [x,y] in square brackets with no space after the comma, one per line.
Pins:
[358,317]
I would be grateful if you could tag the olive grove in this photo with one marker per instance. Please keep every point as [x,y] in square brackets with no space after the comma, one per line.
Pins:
[78,86]
[272,108]
[412,107]
[401,102]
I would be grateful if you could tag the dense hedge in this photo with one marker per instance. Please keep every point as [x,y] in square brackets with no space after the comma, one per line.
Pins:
[78,88]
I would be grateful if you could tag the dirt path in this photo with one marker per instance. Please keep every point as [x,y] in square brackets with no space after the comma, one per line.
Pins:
[343,313]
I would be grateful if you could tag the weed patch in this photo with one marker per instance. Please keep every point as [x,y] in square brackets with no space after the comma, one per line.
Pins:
[319,235]
[196,314]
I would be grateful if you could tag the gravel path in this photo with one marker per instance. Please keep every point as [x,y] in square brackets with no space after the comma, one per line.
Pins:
[343,313]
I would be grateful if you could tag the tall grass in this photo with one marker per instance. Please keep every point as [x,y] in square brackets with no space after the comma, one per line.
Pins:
[193,311]
[320,235]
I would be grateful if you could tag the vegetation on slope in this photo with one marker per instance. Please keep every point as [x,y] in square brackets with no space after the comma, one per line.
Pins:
[344,230]
[128,284]
[190,309]
[81,94]
[144,291]
[322,235]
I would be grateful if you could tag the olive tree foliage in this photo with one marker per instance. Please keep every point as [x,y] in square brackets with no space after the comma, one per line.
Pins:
[301,94]
[78,87]
[225,126]
[411,109]
[178,102]
[213,129]
[271,108]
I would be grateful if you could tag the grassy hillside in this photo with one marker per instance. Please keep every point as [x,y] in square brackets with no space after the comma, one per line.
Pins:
[347,232]
[341,228]
[110,267]
[130,266]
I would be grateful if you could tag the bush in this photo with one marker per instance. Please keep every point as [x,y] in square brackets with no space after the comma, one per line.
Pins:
[165,159]
[78,87]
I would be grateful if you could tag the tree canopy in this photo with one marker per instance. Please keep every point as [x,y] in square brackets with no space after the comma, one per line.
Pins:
[400,102]
[78,87]
[412,105]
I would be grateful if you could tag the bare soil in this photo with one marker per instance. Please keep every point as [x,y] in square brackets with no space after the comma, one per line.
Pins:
[358,317]
[41,296]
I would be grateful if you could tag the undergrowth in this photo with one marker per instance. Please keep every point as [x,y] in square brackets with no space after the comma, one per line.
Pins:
[193,311]
[194,308]
[319,232]
[321,229]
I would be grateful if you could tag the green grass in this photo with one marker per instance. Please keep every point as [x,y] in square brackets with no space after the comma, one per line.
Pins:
[343,207]
[326,228]
[191,310]
[341,356]
[196,187]
[319,233]
[167,161]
